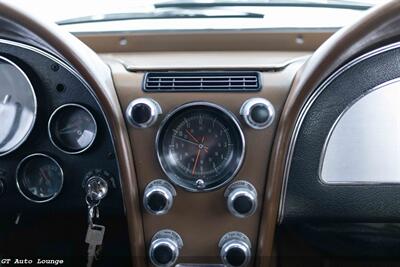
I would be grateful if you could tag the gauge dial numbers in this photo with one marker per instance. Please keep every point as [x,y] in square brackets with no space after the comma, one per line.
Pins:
[200,146]
[72,128]
[39,178]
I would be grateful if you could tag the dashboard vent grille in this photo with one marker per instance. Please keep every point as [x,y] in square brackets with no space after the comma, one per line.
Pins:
[202,81]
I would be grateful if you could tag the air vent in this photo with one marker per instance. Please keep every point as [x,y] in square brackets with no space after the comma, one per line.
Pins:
[201,81]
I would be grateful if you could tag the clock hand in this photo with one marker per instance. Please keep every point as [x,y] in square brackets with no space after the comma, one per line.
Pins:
[194,138]
[195,162]
[188,141]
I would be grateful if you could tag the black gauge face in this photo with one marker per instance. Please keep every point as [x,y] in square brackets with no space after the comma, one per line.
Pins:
[17,106]
[39,178]
[72,128]
[200,146]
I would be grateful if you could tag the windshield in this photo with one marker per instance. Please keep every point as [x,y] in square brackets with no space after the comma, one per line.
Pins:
[83,10]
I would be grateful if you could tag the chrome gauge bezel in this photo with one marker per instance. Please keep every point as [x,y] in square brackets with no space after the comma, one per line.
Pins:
[17,177]
[30,86]
[171,176]
[49,130]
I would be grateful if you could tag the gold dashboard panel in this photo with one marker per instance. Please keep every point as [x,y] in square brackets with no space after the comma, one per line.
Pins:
[201,219]
[243,40]
[208,60]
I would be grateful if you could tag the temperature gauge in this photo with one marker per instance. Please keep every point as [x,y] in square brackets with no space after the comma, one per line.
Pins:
[39,178]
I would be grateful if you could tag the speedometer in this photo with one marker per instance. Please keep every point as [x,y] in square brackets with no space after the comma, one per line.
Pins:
[17,106]
[200,146]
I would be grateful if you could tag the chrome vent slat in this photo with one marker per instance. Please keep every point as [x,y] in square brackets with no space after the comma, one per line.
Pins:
[199,77]
[201,81]
[204,81]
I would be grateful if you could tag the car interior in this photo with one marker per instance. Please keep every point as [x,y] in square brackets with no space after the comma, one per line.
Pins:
[197,133]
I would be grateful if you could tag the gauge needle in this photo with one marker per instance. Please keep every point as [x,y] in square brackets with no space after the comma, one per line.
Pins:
[188,141]
[198,156]
[44,175]
[68,131]
[69,128]
[183,139]
[195,162]
[194,138]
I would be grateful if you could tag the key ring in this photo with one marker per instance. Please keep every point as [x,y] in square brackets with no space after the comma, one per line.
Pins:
[92,204]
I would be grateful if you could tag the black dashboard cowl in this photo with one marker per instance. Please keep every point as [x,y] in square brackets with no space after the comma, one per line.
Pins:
[307,199]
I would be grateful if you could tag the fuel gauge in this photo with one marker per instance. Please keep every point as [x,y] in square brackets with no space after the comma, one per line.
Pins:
[39,178]
[72,128]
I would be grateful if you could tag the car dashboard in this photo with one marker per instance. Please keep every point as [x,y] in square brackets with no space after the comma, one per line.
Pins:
[199,148]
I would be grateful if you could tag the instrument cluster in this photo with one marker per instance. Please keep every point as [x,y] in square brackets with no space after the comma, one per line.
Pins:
[71,128]
[50,133]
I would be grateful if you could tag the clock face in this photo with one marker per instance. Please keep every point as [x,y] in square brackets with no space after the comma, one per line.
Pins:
[200,147]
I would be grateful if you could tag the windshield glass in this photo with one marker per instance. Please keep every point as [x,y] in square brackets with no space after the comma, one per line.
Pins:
[83,10]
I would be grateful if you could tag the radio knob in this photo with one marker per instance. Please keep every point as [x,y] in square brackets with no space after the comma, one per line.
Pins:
[164,248]
[158,197]
[235,249]
[241,199]
[143,112]
[258,113]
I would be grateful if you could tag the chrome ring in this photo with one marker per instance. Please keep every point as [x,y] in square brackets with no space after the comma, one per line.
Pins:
[164,242]
[236,124]
[17,177]
[235,244]
[239,193]
[168,200]
[249,105]
[233,240]
[51,135]
[237,189]
[155,111]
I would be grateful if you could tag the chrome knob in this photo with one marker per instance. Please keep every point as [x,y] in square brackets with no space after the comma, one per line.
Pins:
[158,197]
[258,113]
[143,112]
[96,188]
[164,248]
[235,249]
[241,198]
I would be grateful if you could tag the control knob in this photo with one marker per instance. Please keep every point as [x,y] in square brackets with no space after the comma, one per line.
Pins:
[158,197]
[235,249]
[164,248]
[241,198]
[143,112]
[258,113]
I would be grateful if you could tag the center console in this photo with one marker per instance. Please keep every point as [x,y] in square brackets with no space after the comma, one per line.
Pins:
[201,143]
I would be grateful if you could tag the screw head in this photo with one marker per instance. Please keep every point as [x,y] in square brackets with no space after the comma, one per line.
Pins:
[200,184]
